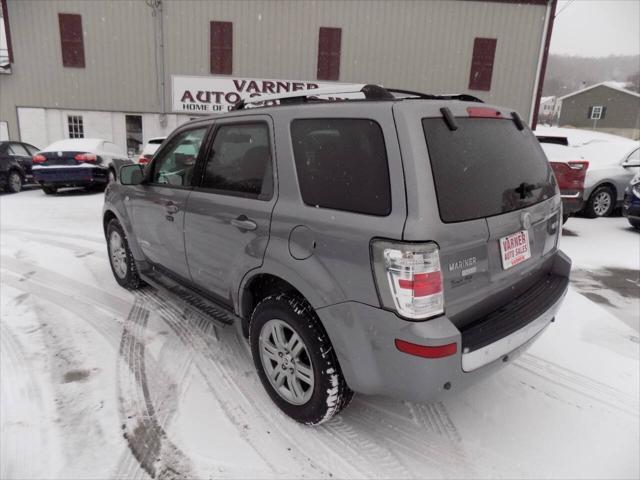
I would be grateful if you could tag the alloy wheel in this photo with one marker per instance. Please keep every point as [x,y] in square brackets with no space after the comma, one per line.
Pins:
[118,254]
[601,203]
[286,362]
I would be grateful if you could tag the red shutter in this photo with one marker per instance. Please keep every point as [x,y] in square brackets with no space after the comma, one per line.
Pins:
[329,53]
[484,52]
[71,39]
[221,47]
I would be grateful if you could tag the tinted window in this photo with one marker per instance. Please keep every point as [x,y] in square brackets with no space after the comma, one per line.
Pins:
[174,165]
[342,164]
[32,150]
[486,167]
[240,161]
[18,149]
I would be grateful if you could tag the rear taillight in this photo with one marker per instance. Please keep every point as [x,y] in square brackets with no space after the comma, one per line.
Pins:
[39,159]
[408,278]
[570,175]
[144,160]
[85,157]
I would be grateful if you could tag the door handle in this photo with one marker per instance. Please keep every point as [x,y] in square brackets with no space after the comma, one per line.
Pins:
[171,207]
[243,223]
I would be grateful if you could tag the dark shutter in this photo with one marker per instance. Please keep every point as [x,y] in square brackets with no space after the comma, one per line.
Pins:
[329,53]
[604,110]
[484,51]
[71,40]
[221,47]
[589,113]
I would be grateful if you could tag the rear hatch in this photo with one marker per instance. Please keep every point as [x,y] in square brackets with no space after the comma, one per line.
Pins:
[484,192]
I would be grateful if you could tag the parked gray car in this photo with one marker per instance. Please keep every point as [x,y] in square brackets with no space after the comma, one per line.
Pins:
[403,244]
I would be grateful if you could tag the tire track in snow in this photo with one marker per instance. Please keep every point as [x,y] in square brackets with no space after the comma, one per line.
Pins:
[577,383]
[365,456]
[48,233]
[21,400]
[146,437]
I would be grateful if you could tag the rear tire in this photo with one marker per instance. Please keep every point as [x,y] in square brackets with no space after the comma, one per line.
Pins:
[14,182]
[601,203]
[121,259]
[290,348]
[49,190]
[635,223]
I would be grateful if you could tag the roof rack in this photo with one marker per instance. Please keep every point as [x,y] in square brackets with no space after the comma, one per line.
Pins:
[370,91]
[463,97]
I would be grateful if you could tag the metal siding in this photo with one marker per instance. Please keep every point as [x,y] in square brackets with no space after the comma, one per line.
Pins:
[623,109]
[422,45]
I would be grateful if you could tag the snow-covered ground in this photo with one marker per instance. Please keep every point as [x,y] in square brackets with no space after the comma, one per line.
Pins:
[97,382]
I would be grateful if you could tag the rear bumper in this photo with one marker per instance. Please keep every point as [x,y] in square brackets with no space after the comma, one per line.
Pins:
[363,338]
[70,176]
[572,201]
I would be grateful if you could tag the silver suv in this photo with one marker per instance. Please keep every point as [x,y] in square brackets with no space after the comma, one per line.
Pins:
[401,244]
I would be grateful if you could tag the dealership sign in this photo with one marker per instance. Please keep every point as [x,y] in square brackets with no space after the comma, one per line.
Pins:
[206,95]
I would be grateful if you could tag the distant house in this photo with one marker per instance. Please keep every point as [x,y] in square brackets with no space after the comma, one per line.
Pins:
[607,107]
[548,111]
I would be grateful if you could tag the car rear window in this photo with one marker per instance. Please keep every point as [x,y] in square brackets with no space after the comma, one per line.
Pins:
[342,164]
[486,167]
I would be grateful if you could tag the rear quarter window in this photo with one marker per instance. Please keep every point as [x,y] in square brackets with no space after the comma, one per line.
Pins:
[341,164]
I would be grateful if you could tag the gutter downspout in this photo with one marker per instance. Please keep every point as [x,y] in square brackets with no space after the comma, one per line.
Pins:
[158,43]
[542,66]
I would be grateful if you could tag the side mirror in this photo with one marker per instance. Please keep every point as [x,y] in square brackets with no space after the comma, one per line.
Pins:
[131,174]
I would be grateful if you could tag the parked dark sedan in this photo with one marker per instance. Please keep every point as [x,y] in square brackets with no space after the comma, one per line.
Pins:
[78,162]
[15,165]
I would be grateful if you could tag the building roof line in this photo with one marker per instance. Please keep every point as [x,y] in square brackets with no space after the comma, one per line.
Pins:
[601,84]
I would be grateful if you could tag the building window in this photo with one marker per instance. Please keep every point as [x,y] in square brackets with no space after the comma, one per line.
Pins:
[71,40]
[329,43]
[484,51]
[221,47]
[597,112]
[76,126]
[134,133]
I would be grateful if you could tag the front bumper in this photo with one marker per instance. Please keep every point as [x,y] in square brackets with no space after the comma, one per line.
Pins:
[70,176]
[631,206]
[363,338]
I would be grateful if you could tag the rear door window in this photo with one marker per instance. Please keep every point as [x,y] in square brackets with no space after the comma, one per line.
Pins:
[486,167]
[341,164]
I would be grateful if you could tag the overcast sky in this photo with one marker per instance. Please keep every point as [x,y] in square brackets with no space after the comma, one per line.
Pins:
[597,28]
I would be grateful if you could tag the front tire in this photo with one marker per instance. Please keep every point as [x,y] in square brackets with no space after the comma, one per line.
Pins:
[295,360]
[121,259]
[601,203]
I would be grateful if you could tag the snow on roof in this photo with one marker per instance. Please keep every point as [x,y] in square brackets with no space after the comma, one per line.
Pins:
[75,144]
[619,86]
[546,99]
[577,136]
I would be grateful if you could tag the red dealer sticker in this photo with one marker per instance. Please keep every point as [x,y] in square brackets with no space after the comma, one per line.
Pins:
[515,249]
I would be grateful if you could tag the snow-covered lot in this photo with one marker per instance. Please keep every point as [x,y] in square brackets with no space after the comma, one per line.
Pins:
[97,382]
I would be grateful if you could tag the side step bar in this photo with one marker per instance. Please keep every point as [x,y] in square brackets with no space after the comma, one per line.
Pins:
[191,299]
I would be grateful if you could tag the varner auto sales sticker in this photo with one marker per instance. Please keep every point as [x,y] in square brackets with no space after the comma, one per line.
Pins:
[206,95]
[515,249]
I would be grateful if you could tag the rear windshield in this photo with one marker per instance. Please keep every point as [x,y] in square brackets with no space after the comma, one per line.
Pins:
[486,167]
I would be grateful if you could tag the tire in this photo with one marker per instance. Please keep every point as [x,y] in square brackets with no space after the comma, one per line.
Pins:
[601,203]
[635,223]
[14,182]
[121,259]
[49,190]
[315,366]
